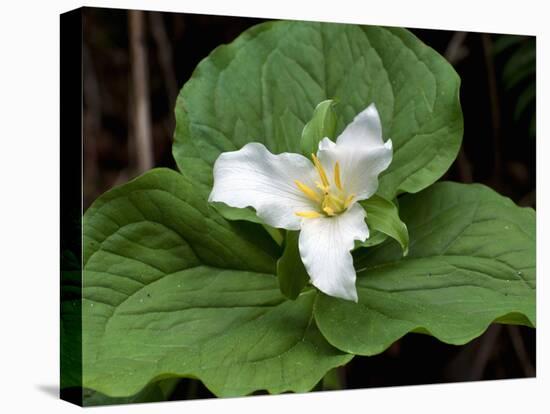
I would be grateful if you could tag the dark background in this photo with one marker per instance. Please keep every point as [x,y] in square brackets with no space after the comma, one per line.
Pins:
[151,58]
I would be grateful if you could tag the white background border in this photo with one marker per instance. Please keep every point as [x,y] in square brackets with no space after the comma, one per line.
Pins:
[29,204]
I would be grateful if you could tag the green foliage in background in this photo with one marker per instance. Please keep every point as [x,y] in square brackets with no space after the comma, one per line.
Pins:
[518,77]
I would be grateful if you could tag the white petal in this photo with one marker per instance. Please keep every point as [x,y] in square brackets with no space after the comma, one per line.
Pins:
[325,247]
[359,166]
[365,129]
[252,176]
[326,144]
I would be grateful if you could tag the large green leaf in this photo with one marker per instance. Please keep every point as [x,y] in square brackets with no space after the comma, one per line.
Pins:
[471,261]
[154,392]
[172,289]
[265,86]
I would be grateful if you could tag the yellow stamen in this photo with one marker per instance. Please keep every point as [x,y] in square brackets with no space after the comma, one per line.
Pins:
[320,170]
[331,200]
[335,203]
[322,187]
[348,200]
[312,195]
[337,176]
[308,214]
[328,210]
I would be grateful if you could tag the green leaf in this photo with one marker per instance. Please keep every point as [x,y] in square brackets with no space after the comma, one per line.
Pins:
[382,215]
[154,392]
[171,289]
[162,208]
[321,125]
[471,262]
[235,214]
[291,272]
[247,214]
[264,86]
[376,237]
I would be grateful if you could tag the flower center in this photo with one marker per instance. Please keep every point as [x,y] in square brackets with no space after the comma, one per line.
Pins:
[331,199]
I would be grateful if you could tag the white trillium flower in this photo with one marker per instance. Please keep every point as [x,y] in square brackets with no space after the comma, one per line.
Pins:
[318,197]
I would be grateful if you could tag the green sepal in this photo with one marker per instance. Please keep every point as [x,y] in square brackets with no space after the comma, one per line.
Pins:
[383,216]
[291,272]
[321,125]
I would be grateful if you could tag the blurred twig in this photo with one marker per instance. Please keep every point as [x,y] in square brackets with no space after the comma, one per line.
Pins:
[484,352]
[164,48]
[519,347]
[335,379]
[165,56]
[495,108]
[455,52]
[464,167]
[140,84]
[92,123]
[529,199]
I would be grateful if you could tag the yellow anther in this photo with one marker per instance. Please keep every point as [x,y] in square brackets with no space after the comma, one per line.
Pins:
[348,200]
[308,214]
[337,176]
[312,195]
[320,170]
